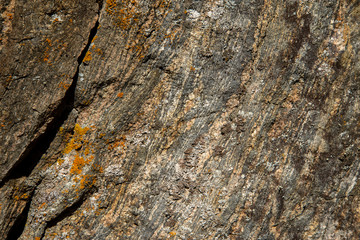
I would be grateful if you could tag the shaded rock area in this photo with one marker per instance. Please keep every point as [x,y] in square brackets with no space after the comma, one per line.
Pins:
[159,119]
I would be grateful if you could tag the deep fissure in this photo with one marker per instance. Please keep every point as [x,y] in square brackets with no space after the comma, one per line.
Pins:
[67,212]
[19,224]
[34,152]
[36,149]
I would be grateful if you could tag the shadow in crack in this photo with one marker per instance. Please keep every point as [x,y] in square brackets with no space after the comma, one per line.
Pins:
[18,227]
[32,155]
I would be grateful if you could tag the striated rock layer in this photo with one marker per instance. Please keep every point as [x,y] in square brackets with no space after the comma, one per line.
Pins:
[159,119]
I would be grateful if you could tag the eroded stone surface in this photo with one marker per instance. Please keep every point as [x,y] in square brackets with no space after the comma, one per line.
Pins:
[189,120]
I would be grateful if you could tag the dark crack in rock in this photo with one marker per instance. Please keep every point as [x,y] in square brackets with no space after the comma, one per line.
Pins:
[219,119]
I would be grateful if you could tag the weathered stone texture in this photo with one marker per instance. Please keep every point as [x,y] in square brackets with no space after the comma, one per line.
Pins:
[159,119]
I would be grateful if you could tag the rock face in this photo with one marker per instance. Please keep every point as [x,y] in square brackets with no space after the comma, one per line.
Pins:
[159,119]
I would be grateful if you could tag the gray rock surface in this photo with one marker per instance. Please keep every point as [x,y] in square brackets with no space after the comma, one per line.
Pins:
[219,119]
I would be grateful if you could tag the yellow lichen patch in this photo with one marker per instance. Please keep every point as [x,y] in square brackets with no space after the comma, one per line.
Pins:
[118,142]
[101,135]
[24,196]
[47,50]
[99,51]
[82,148]
[76,141]
[98,168]
[48,41]
[124,14]
[60,161]
[64,85]
[171,35]
[8,80]
[87,57]
[78,164]
[42,205]
[87,181]
[87,151]
[10,16]
[79,130]
[73,144]
[110,6]
[127,15]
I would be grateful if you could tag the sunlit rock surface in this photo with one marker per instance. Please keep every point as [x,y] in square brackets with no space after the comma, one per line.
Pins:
[159,119]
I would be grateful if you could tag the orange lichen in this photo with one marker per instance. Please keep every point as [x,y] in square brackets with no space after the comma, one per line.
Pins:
[99,51]
[87,151]
[192,68]
[48,41]
[76,141]
[47,50]
[86,102]
[60,161]
[101,135]
[46,55]
[82,147]
[126,16]
[10,16]
[73,144]
[118,142]
[87,181]
[172,234]
[125,13]
[110,6]
[120,95]
[24,196]
[87,57]
[64,85]
[171,35]
[98,168]
[2,124]
[78,164]
[7,81]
